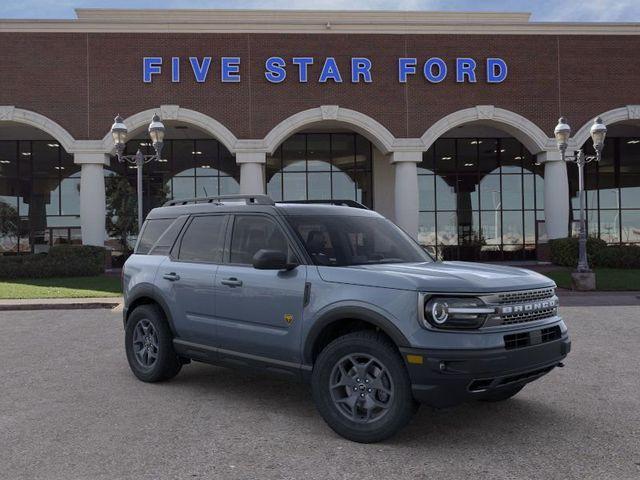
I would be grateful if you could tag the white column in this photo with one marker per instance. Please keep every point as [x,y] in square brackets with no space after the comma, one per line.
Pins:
[93,208]
[556,194]
[251,171]
[406,190]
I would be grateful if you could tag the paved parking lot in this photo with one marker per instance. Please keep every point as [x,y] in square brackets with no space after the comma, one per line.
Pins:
[70,409]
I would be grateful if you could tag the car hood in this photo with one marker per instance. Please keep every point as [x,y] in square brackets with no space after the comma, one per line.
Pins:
[453,277]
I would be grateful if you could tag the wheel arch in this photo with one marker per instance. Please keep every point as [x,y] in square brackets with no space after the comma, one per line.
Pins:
[145,295]
[338,318]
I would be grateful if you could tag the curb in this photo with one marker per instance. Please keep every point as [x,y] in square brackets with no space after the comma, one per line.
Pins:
[43,305]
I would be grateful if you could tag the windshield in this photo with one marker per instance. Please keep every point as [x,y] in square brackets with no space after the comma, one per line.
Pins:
[341,241]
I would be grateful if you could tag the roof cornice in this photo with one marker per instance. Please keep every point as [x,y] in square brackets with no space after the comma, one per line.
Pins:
[312,21]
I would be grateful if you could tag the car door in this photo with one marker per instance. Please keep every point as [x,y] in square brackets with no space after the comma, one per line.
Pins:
[259,312]
[187,278]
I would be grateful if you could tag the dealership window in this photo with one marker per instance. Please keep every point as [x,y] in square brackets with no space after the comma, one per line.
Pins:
[321,166]
[480,198]
[39,196]
[612,189]
[189,168]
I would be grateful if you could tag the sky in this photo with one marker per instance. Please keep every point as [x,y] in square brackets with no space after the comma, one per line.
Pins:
[542,10]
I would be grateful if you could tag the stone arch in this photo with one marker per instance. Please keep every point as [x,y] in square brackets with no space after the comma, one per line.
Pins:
[629,112]
[527,132]
[373,130]
[177,113]
[10,113]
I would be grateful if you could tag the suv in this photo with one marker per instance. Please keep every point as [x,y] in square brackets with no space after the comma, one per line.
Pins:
[336,295]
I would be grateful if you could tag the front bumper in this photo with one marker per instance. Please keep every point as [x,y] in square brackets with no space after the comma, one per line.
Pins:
[449,377]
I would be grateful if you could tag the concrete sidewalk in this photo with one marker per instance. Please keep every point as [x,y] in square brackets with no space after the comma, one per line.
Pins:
[59,303]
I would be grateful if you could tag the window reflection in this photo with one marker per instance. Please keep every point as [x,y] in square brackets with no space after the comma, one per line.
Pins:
[479,198]
[321,166]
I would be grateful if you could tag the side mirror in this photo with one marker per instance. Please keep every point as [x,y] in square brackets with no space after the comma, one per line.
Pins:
[271,260]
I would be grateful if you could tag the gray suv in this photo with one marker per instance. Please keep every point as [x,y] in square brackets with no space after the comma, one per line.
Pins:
[335,295]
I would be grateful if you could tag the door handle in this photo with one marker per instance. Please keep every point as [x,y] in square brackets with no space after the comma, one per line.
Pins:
[172,277]
[231,282]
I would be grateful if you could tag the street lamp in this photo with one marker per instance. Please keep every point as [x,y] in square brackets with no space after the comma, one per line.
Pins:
[562,133]
[119,133]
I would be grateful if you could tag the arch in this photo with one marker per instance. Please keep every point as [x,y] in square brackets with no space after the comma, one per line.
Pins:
[177,113]
[9,113]
[527,132]
[373,130]
[629,112]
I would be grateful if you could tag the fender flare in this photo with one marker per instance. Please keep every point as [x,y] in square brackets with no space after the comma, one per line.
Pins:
[147,290]
[351,312]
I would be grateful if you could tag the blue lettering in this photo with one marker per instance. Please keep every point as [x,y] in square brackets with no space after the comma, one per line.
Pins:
[360,67]
[275,69]
[496,70]
[406,66]
[200,72]
[151,66]
[175,69]
[330,71]
[303,66]
[230,69]
[465,67]
[428,70]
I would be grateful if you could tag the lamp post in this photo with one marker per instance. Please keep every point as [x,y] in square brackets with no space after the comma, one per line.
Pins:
[562,133]
[119,133]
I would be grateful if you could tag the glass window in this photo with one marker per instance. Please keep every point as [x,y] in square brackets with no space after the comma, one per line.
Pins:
[203,240]
[319,152]
[332,241]
[630,222]
[167,239]
[293,153]
[252,233]
[151,233]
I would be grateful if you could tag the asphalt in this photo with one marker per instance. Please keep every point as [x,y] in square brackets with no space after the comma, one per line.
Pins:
[70,409]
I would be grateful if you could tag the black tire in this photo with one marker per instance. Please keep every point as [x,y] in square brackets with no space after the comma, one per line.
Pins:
[501,394]
[166,363]
[349,420]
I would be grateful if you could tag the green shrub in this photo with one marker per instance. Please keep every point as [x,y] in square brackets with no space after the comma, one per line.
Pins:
[618,256]
[564,251]
[61,261]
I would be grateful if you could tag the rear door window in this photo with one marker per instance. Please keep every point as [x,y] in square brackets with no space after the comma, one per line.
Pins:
[203,241]
[252,233]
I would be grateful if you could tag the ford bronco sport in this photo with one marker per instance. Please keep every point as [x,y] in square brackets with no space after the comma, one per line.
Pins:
[336,295]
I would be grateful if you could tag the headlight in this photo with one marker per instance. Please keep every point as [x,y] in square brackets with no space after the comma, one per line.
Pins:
[453,312]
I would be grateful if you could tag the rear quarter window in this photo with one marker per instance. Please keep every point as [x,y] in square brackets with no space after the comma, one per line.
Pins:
[157,229]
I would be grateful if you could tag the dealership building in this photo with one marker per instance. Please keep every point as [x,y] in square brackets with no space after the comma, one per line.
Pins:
[443,122]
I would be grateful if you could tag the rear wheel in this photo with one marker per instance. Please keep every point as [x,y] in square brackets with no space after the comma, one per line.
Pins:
[501,395]
[361,387]
[149,345]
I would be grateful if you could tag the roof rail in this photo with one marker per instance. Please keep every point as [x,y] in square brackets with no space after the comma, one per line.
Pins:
[338,202]
[220,199]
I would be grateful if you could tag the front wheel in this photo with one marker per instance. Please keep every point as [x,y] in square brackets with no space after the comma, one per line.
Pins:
[361,387]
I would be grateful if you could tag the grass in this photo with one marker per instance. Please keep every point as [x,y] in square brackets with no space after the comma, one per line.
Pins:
[607,279]
[71,287]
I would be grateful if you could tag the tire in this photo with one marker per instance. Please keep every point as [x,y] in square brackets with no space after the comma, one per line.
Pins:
[367,409]
[501,395]
[148,331]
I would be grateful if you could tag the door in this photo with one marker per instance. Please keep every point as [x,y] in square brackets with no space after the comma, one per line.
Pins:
[187,278]
[259,312]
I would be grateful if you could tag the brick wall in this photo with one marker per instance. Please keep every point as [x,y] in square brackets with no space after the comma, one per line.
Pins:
[82,80]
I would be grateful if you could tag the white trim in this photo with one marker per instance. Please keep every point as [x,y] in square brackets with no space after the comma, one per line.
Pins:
[309,21]
[177,113]
[9,113]
[531,136]
[359,122]
[629,112]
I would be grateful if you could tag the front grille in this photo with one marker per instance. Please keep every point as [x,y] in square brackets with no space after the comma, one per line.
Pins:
[526,339]
[520,306]
[507,298]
